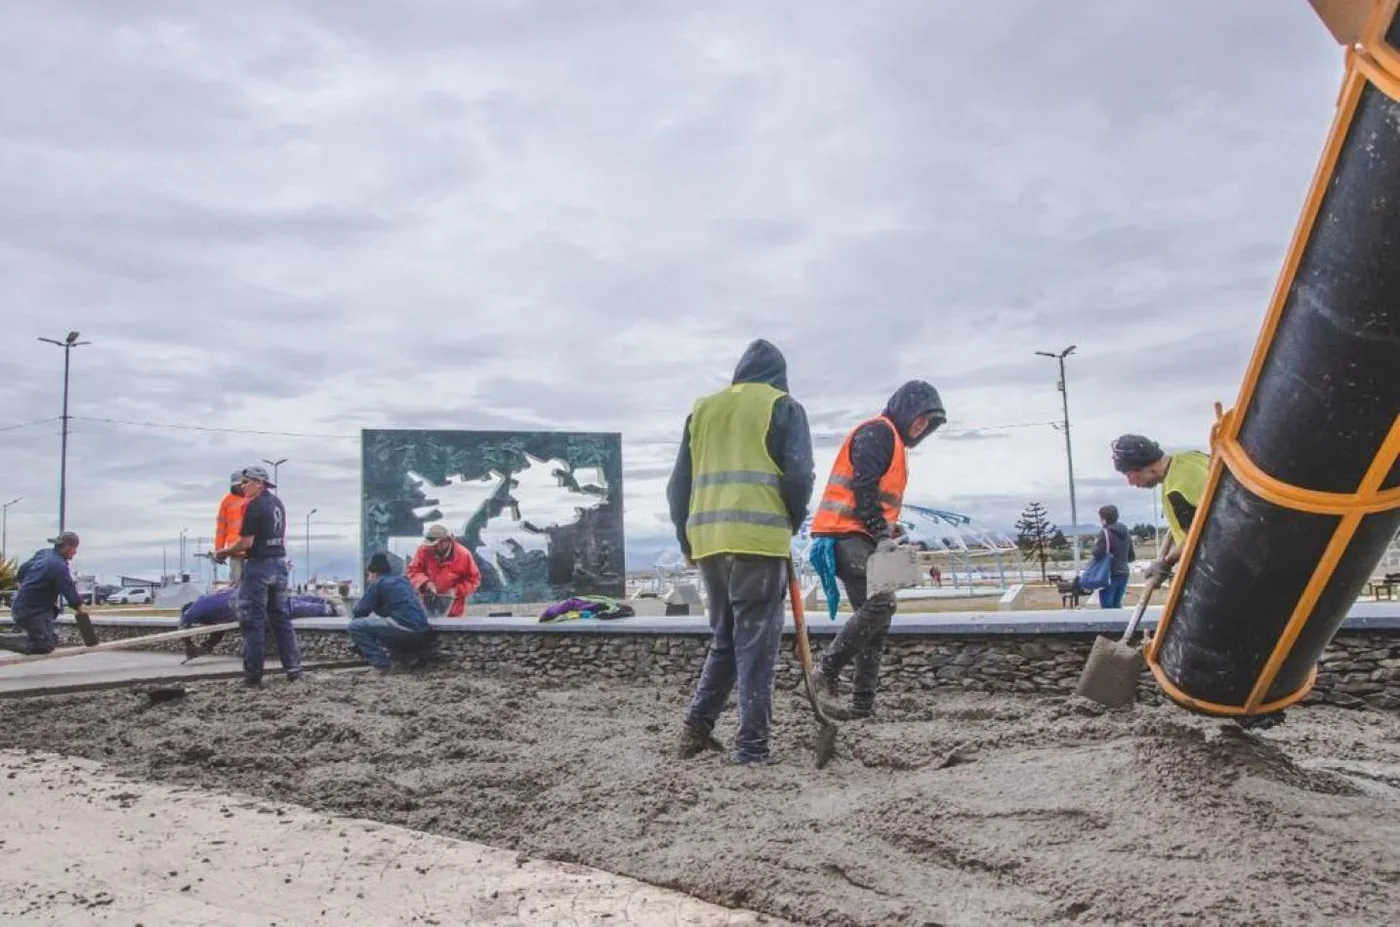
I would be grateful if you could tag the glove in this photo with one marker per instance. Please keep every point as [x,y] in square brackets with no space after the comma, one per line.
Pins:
[1157,568]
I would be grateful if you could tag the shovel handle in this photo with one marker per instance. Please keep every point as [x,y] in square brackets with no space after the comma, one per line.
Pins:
[1141,609]
[799,619]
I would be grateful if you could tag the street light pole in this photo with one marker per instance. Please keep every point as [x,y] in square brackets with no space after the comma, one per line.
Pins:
[183,531]
[1069,448]
[67,344]
[274,464]
[308,545]
[5,528]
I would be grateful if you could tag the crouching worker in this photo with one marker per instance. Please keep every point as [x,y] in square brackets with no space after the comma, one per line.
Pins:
[44,582]
[389,620]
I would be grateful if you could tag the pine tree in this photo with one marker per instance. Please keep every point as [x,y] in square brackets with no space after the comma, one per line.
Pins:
[1033,533]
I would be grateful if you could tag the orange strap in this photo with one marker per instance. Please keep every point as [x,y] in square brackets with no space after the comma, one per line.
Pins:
[1366,501]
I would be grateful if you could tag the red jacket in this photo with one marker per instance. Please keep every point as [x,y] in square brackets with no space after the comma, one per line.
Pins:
[457,575]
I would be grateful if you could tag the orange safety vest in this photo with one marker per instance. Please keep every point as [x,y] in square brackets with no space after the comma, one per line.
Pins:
[837,512]
[230,520]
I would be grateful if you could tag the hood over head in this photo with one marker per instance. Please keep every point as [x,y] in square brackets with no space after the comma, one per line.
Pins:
[762,363]
[911,400]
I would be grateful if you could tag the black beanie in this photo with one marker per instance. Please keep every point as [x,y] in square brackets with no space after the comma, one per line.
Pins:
[1133,452]
[379,563]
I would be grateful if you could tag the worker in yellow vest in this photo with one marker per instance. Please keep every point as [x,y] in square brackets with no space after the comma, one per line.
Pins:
[860,508]
[740,489]
[1182,477]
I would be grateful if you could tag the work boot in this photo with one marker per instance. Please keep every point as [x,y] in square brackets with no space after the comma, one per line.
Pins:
[16,643]
[694,741]
[839,712]
[826,684]
[191,650]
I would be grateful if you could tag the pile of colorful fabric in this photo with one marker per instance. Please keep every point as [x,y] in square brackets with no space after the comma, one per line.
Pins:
[587,607]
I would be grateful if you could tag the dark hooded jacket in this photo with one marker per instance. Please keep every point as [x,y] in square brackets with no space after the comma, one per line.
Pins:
[872,448]
[789,443]
[1122,546]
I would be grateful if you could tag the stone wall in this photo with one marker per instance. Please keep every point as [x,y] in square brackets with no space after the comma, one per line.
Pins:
[1359,669]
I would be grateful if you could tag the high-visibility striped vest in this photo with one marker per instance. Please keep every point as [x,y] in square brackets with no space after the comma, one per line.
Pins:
[735,505]
[837,512]
[1186,475]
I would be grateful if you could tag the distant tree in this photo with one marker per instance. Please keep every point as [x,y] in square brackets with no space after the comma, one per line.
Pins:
[9,570]
[1033,534]
[1059,546]
[1143,532]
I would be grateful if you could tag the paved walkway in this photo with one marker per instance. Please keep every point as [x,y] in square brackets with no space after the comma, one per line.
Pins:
[82,846]
[109,668]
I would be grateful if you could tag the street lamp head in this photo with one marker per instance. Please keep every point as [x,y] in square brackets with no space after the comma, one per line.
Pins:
[312,512]
[1068,351]
[72,337]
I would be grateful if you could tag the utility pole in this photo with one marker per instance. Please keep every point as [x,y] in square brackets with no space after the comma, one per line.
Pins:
[67,344]
[182,553]
[274,464]
[307,566]
[5,528]
[1069,449]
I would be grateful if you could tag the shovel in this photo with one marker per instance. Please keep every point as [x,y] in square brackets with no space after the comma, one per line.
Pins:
[1111,673]
[826,735]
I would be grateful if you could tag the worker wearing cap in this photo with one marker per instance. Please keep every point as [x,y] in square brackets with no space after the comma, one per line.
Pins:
[389,620]
[45,582]
[1182,477]
[860,508]
[441,570]
[229,522]
[262,590]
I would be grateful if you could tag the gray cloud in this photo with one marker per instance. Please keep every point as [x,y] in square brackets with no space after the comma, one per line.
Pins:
[314,217]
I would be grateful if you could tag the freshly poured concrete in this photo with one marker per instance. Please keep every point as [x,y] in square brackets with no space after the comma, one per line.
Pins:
[82,846]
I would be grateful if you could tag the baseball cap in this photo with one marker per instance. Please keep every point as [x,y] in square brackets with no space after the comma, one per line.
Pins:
[67,537]
[259,474]
[437,533]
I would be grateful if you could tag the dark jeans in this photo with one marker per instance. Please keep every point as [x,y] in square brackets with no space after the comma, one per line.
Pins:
[40,633]
[746,612]
[262,599]
[863,638]
[1111,596]
[379,638]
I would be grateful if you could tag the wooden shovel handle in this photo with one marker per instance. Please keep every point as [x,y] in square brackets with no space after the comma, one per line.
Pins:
[799,620]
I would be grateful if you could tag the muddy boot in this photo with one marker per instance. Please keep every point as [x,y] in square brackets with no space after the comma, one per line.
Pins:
[693,742]
[191,649]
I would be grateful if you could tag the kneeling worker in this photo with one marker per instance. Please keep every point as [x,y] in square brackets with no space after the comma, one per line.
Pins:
[389,619]
[43,581]
[1182,477]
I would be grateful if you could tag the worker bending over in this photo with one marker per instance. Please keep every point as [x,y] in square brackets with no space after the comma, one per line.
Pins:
[860,508]
[739,492]
[44,583]
[443,571]
[1182,477]
[389,620]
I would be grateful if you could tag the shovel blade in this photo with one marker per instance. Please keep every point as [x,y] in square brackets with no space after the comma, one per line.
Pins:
[1111,673]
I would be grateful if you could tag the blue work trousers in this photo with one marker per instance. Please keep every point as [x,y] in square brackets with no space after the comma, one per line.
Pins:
[262,600]
[381,638]
[1111,596]
[745,595]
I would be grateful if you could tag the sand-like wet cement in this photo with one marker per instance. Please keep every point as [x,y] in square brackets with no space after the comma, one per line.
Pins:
[949,809]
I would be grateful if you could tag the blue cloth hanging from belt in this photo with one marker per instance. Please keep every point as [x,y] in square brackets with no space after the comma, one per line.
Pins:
[822,556]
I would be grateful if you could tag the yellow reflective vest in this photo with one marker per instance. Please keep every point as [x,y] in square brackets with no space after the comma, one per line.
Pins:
[735,504]
[1185,479]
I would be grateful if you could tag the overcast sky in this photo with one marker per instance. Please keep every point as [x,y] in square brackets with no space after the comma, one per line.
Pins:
[315,216]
